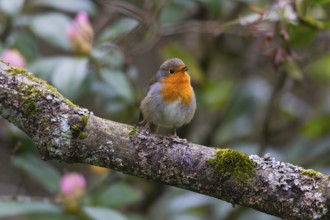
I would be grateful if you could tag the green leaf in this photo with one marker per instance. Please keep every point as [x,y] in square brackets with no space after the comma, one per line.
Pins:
[40,170]
[173,50]
[107,56]
[67,5]
[12,7]
[115,106]
[103,213]
[13,208]
[216,93]
[248,98]
[187,201]
[120,28]
[47,216]
[214,7]
[69,75]
[66,73]
[317,127]
[301,35]
[118,195]
[119,82]
[293,69]
[175,11]
[26,43]
[45,66]
[321,2]
[52,27]
[319,69]
[135,217]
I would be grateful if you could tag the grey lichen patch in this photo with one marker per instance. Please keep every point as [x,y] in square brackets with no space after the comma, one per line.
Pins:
[119,161]
[276,178]
[286,175]
[163,157]
[143,145]
[14,71]
[231,163]
[60,135]
[109,157]
[107,147]
[298,183]
[64,126]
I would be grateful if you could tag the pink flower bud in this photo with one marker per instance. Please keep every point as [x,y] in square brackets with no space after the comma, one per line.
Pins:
[13,57]
[82,18]
[81,34]
[73,184]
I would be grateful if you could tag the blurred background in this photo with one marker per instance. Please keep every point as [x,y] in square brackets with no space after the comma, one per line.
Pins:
[260,71]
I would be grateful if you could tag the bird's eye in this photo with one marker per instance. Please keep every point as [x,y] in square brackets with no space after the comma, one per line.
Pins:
[171,71]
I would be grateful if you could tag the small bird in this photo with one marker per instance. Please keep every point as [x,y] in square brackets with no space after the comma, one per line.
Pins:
[170,100]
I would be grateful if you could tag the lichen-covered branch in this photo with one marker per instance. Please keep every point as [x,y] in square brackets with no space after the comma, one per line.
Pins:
[67,133]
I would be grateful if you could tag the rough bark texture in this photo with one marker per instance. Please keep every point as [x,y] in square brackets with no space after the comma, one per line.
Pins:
[67,133]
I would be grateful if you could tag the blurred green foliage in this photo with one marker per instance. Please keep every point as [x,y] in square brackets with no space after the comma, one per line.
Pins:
[260,70]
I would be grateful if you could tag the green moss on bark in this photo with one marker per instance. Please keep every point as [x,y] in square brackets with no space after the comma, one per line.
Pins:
[310,172]
[29,102]
[133,131]
[79,126]
[231,163]
[14,71]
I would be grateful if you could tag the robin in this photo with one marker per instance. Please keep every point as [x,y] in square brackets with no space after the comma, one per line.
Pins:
[170,100]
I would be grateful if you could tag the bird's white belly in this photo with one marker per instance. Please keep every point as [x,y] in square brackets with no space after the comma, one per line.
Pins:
[171,115]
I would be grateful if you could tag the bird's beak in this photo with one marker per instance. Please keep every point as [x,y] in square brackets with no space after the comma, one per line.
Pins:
[184,69]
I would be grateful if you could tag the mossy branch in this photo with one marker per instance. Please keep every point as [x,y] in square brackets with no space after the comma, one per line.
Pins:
[62,131]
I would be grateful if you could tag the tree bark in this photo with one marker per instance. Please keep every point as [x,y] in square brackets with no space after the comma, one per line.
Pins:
[65,132]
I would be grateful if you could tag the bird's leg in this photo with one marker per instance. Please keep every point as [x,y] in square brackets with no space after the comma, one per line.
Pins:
[174,135]
[157,128]
[177,139]
[146,127]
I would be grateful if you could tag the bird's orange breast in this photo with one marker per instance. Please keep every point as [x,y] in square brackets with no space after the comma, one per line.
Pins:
[176,86]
